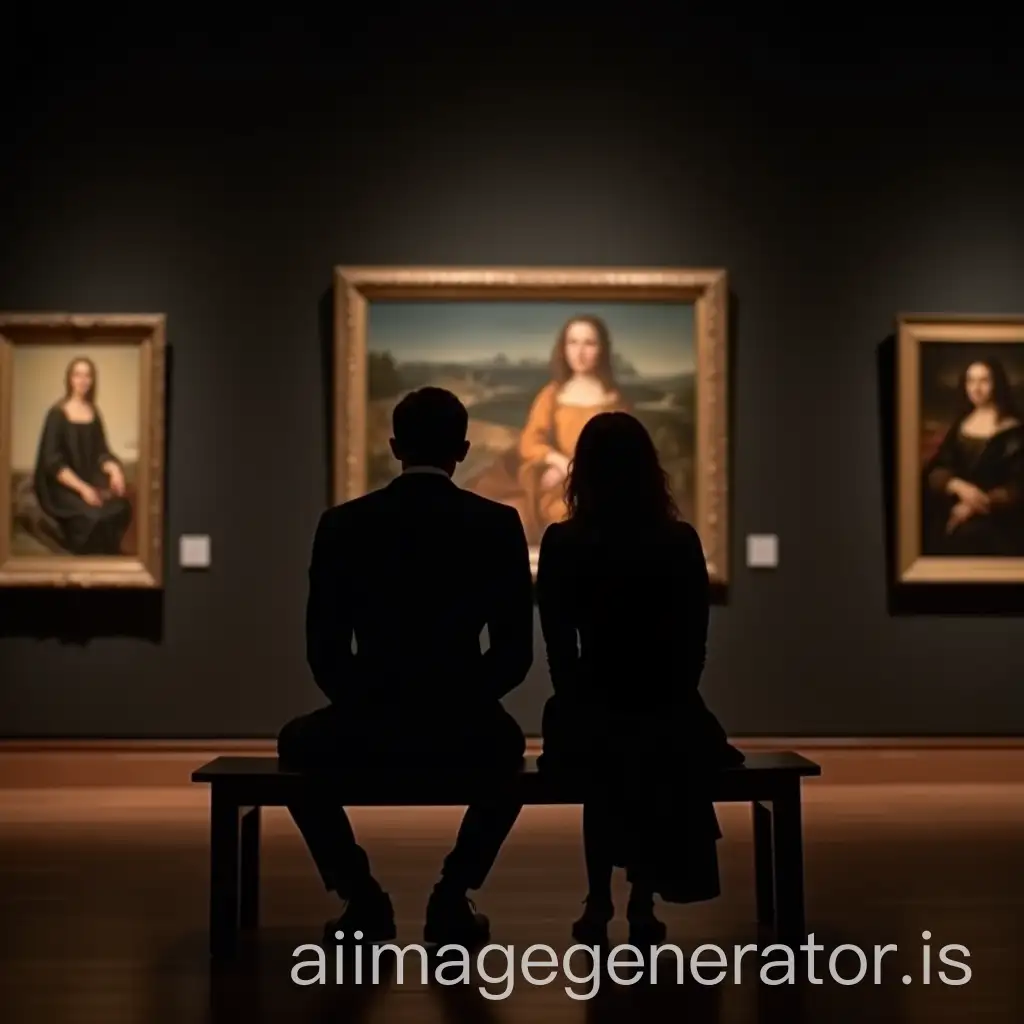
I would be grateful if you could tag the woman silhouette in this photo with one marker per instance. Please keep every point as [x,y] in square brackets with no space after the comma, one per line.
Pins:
[623,594]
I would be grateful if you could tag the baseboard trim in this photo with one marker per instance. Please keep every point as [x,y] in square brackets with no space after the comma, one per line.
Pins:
[51,763]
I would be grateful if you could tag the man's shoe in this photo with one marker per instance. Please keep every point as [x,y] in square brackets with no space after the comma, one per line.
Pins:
[367,919]
[591,928]
[453,920]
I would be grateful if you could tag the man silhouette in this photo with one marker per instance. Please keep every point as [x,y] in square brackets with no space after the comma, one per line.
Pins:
[413,573]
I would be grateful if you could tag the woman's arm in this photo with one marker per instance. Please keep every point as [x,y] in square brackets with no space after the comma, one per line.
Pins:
[107,459]
[1010,493]
[942,481]
[109,463]
[535,447]
[1004,497]
[72,481]
[554,602]
[52,461]
[940,473]
[694,585]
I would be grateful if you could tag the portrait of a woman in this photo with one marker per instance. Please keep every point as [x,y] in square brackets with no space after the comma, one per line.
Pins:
[973,486]
[582,384]
[79,482]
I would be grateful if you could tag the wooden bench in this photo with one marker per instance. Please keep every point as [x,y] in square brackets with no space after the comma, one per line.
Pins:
[240,786]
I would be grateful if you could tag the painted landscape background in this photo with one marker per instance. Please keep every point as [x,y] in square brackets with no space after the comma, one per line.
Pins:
[496,357]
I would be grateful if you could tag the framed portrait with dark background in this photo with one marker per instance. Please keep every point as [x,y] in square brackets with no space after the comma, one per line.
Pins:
[961,449]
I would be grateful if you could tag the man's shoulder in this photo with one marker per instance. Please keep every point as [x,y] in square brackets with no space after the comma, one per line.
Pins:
[354,508]
[487,510]
[473,508]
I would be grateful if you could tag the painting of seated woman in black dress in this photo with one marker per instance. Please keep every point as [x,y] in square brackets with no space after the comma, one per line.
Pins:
[82,449]
[73,469]
[79,482]
[972,485]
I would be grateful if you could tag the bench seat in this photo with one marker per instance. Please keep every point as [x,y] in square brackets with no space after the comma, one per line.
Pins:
[240,786]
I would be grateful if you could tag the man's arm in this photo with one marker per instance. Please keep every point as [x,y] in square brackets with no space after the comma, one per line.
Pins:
[329,620]
[510,622]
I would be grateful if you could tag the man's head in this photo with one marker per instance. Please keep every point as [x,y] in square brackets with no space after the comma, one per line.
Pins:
[429,428]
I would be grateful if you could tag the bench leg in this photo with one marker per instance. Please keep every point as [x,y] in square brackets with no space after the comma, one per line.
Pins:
[224,876]
[764,872]
[788,847]
[249,910]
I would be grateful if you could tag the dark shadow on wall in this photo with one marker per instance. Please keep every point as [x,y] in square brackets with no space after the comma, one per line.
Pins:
[886,373]
[923,598]
[78,616]
[720,591]
[325,326]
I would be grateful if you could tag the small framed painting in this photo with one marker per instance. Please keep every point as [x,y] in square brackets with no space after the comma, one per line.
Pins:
[81,450]
[960,449]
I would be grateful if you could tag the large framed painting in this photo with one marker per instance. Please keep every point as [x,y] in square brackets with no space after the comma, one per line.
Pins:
[81,450]
[508,342]
[960,449]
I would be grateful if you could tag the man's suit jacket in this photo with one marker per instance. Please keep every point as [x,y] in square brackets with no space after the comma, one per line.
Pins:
[412,573]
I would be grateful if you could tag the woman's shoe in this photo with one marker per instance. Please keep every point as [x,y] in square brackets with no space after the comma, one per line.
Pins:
[645,930]
[591,929]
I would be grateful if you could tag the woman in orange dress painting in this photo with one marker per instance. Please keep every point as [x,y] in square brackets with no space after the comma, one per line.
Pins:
[582,385]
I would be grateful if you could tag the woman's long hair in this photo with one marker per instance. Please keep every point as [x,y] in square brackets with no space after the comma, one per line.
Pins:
[616,475]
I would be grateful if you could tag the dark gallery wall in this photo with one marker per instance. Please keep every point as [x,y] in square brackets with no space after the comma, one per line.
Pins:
[219,180]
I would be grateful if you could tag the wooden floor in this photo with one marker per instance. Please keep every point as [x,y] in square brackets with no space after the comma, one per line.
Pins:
[103,913]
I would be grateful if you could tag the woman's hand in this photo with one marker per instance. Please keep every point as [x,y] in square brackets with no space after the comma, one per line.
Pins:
[91,496]
[116,477]
[557,470]
[970,495]
[552,477]
[960,514]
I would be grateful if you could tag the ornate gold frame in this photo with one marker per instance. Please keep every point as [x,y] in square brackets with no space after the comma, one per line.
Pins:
[355,287]
[148,332]
[913,329]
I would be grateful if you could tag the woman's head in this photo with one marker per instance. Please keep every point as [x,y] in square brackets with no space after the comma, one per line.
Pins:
[80,379]
[985,383]
[616,473]
[583,347]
